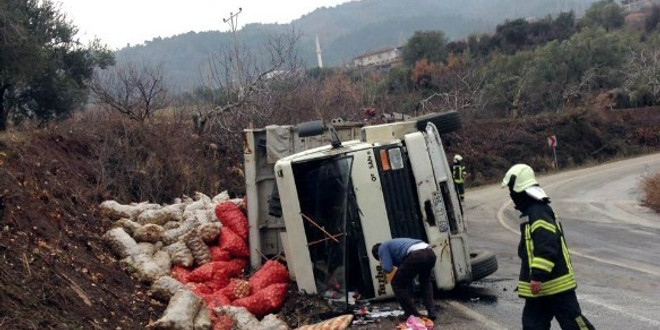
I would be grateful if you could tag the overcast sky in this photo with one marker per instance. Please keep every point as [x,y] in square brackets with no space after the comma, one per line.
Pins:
[120,22]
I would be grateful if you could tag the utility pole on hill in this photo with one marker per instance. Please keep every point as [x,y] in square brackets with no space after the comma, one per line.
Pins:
[233,24]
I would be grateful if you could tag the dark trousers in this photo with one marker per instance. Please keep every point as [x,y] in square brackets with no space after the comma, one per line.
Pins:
[538,312]
[418,263]
[460,189]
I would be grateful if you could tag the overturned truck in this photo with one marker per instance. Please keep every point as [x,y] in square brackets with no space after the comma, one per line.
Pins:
[321,195]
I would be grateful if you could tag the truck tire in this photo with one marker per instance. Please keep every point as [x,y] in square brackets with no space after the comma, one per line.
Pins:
[483,264]
[445,122]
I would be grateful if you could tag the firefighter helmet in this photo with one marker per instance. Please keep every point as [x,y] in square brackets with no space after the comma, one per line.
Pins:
[457,158]
[519,177]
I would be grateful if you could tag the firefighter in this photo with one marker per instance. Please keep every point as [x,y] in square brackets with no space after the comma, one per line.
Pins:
[459,174]
[402,260]
[546,281]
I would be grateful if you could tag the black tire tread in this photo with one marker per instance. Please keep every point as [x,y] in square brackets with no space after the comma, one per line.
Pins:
[445,122]
[483,264]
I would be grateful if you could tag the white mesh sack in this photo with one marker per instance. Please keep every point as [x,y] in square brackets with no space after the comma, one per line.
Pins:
[162,215]
[122,244]
[199,249]
[150,232]
[180,254]
[180,312]
[165,287]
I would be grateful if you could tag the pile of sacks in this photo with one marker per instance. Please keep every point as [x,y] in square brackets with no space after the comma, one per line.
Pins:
[194,254]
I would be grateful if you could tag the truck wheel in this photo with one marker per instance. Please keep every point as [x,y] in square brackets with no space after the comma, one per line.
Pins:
[483,264]
[445,122]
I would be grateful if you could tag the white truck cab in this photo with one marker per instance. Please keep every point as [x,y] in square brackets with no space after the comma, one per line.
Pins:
[336,201]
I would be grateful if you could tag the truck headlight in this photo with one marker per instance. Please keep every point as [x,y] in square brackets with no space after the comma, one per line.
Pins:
[391,159]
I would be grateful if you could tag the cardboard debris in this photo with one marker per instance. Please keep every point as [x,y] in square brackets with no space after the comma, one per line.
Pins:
[337,323]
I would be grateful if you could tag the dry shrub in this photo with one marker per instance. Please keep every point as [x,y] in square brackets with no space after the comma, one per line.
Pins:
[652,192]
[156,161]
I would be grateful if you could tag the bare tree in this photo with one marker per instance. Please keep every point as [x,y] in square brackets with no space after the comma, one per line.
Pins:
[459,87]
[136,91]
[248,86]
[572,92]
[642,70]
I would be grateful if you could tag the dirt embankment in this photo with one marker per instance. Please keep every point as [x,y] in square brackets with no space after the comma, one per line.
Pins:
[57,273]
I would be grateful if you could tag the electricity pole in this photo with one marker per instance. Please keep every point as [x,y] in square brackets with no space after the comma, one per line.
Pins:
[232,20]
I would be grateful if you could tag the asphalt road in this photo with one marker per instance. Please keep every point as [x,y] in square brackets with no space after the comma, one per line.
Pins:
[614,243]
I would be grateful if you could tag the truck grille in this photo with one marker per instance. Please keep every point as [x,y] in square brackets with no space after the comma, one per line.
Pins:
[401,200]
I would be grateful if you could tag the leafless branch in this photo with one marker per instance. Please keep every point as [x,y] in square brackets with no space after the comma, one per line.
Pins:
[136,91]
[248,96]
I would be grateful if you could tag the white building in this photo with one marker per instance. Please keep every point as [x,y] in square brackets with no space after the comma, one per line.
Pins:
[387,57]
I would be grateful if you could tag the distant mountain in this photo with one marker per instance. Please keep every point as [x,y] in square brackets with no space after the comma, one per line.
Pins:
[345,31]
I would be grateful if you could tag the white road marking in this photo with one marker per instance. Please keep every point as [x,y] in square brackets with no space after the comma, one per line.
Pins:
[595,301]
[488,322]
[500,218]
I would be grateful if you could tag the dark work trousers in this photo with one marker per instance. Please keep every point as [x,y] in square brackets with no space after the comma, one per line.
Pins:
[418,263]
[460,189]
[538,312]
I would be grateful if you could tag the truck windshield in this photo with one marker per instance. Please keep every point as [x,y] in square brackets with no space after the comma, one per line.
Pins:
[331,221]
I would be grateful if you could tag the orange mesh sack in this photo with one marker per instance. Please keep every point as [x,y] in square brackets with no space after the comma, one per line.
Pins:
[236,289]
[266,301]
[231,216]
[275,294]
[234,244]
[216,300]
[217,274]
[206,272]
[224,322]
[218,254]
[180,273]
[236,267]
[271,272]
[200,289]
[258,305]
[220,279]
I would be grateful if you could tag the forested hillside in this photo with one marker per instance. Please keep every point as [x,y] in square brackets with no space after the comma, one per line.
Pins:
[344,31]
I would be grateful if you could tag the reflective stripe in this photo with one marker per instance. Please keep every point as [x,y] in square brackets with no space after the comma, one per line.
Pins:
[545,225]
[560,284]
[567,282]
[530,248]
[458,173]
[580,321]
[564,249]
[544,264]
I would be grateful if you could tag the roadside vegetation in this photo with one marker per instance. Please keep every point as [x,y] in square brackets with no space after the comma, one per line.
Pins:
[652,192]
[590,82]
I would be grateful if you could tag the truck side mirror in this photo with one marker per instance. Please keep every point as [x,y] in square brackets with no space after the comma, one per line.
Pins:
[315,127]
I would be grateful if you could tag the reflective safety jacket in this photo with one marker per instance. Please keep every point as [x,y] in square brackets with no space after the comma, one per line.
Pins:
[543,253]
[458,172]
